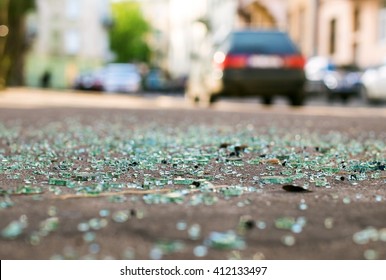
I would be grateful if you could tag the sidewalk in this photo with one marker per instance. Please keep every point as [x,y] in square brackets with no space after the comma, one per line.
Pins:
[38,98]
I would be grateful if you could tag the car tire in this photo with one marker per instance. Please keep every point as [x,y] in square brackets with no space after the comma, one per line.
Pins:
[204,100]
[207,100]
[365,96]
[345,98]
[329,94]
[330,97]
[267,100]
[191,99]
[298,98]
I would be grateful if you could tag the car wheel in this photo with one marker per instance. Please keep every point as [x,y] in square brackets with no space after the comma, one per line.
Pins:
[204,100]
[191,98]
[267,100]
[330,97]
[345,98]
[207,100]
[213,99]
[298,98]
[364,95]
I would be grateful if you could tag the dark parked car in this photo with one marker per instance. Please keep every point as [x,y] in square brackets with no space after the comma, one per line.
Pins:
[263,63]
[325,77]
[90,80]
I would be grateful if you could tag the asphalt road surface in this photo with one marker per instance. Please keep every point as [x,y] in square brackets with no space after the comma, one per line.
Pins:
[88,176]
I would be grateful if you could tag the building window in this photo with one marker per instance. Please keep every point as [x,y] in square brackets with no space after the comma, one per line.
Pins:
[357,18]
[72,9]
[382,21]
[332,46]
[72,42]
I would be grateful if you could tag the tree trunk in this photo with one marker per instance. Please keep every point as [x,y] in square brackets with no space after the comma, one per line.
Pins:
[4,60]
[13,46]
[16,47]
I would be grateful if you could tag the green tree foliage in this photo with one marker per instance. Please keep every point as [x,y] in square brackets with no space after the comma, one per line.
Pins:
[127,36]
[13,44]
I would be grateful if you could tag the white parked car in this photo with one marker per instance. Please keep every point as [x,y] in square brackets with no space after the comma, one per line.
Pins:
[325,77]
[374,84]
[121,77]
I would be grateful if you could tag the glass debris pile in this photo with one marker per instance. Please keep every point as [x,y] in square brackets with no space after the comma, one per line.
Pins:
[190,168]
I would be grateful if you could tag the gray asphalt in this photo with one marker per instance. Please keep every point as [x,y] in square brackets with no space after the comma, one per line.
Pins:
[229,169]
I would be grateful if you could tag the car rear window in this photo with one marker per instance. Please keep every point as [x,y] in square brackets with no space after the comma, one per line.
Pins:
[262,43]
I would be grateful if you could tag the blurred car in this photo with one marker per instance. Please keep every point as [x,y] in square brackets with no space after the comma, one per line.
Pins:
[324,77]
[158,81]
[121,77]
[177,84]
[89,80]
[263,63]
[155,80]
[316,69]
[373,84]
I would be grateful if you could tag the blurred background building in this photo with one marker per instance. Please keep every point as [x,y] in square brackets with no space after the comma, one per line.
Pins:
[186,31]
[347,31]
[66,37]
[263,13]
[182,30]
[70,35]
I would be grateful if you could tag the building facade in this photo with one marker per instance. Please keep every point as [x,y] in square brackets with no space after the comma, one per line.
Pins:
[347,31]
[263,13]
[183,30]
[70,36]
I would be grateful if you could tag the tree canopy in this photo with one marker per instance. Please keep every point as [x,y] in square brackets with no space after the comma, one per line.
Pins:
[128,33]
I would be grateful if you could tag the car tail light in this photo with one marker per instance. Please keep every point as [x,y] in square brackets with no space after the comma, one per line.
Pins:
[230,61]
[235,61]
[294,61]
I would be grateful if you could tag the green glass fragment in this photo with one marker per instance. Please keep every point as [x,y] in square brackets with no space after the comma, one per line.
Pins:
[225,241]
[194,232]
[27,189]
[276,179]
[203,198]
[84,176]
[183,181]
[15,228]
[58,182]
[232,191]
[6,202]
[121,216]
[168,247]
[49,225]
[285,222]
